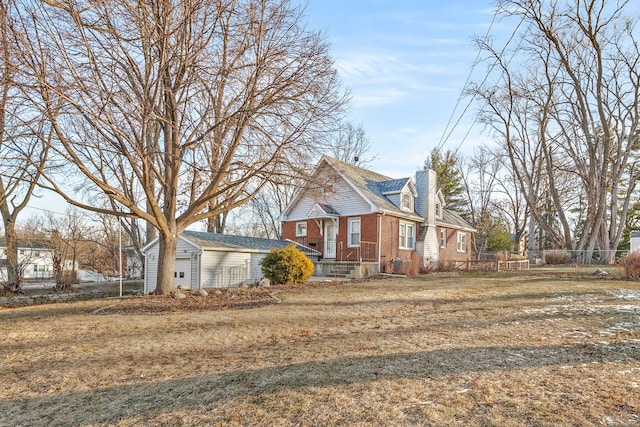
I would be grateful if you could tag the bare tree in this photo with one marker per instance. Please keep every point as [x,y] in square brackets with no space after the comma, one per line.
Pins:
[22,154]
[350,144]
[68,234]
[512,204]
[151,88]
[261,217]
[569,92]
[479,173]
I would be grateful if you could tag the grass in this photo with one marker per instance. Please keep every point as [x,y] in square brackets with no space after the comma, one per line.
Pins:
[537,348]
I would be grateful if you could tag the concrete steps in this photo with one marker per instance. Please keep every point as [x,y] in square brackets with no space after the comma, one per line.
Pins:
[342,271]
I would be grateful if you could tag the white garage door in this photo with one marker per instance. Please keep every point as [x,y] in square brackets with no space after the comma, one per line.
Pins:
[182,274]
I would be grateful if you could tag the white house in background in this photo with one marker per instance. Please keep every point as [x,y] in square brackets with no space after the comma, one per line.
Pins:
[634,241]
[36,258]
[212,260]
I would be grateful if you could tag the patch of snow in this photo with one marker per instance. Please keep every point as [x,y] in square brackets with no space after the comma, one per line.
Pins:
[621,327]
[629,371]
[625,294]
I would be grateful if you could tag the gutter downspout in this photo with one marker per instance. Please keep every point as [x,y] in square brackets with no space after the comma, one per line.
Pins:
[199,262]
[380,242]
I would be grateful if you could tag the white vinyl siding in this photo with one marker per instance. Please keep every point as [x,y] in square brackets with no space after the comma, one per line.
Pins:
[344,199]
[407,235]
[428,249]
[222,269]
[255,269]
[394,198]
[184,249]
[38,263]
[462,241]
[354,232]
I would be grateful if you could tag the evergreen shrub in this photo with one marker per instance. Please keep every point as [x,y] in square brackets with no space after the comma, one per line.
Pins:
[287,265]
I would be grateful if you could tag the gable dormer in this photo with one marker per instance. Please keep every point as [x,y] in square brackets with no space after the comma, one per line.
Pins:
[407,200]
[401,192]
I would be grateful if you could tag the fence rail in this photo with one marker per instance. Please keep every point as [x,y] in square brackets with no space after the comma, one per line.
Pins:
[366,251]
[230,276]
[513,265]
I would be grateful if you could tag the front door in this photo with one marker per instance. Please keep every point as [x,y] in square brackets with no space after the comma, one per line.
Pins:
[329,239]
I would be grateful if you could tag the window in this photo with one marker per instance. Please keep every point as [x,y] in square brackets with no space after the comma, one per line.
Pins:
[35,268]
[462,242]
[406,201]
[407,235]
[438,210]
[443,238]
[181,274]
[354,232]
[301,229]
[36,253]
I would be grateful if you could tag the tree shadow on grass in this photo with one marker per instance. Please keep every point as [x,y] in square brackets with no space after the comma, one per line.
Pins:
[148,399]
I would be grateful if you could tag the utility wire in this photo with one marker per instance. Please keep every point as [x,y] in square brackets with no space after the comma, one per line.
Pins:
[446,135]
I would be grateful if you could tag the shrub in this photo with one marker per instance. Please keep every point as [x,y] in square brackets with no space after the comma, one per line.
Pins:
[287,265]
[447,266]
[557,257]
[500,241]
[631,265]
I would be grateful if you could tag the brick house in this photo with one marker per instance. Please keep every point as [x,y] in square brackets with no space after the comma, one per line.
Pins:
[367,223]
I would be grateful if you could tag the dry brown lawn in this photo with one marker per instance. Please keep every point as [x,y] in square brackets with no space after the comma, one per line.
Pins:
[512,349]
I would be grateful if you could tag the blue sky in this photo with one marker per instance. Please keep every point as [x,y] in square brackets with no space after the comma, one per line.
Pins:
[406,63]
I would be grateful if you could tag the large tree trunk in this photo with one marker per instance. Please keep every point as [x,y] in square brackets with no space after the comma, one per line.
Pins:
[13,271]
[166,263]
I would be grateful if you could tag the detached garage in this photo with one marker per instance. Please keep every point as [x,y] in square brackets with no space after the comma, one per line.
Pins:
[211,260]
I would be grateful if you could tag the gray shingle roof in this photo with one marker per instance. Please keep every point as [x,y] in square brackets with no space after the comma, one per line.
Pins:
[392,186]
[228,241]
[216,240]
[453,219]
[370,184]
[328,209]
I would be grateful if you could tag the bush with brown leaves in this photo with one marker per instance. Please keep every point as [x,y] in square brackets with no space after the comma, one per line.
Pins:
[557,257]
[631,265]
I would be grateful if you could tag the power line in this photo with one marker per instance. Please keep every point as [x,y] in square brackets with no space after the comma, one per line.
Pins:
[46,210]
[446,135]
[475,62]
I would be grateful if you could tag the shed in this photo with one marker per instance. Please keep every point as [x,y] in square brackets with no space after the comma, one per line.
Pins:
[213,260]
[634,241]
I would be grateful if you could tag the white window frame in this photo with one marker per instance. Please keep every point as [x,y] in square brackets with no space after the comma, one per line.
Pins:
[408,197]
[462,241]
[299,227]
[443,238]
[407,235]
[352,233]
